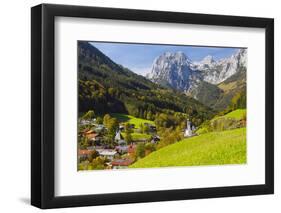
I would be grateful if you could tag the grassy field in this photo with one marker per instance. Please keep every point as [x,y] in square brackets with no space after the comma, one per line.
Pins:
[138,136]
[236,114]
[215,148]
[130,119]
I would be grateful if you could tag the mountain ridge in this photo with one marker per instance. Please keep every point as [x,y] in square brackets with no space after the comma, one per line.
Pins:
[172,70]
[108,87]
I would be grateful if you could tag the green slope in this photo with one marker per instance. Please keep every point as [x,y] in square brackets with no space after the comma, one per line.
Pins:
[237,114]
[230,120]
[123,118]
[231,87]
[215,148]
[207,93]
[131,119]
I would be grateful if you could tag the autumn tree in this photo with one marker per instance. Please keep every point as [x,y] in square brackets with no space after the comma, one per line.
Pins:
[106,119]
[112,126]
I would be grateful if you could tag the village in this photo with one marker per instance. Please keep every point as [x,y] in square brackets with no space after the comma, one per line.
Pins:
[101,148]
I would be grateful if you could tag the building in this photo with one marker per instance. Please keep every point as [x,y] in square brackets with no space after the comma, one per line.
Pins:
[122,146]
[151,127]
[121,163]
[108,153]
[122,149]
[83,154]
[188,132]
[92,137]
[131,149]
[99,128]
[87,132]
[155,139]
[121,127]
[84,122]
[118,136]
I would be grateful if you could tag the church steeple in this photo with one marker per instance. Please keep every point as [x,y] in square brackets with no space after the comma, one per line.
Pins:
[188,130]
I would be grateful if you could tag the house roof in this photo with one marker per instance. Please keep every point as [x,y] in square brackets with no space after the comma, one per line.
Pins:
[121,142]
[131,148]
[106,152]
[122,162]
[92,135]
[118,136]
[84,130]
[89,132]
[121,148]
[84,152]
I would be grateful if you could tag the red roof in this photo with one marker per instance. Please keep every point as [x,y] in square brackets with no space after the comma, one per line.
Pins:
[122,162]
[93,135]
[84,152]
[89,132]
[131,148]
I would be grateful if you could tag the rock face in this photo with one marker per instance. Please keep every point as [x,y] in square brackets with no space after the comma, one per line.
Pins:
[172,69]
[177,71]
[215,72]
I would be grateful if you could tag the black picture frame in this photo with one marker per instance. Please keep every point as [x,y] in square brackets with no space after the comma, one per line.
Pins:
[43,102]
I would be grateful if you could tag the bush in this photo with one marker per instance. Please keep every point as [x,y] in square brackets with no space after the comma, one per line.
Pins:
[93,155]
[140,150]
[98,163]
[149,147]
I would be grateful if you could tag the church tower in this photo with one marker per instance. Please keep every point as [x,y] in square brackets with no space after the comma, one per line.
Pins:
[188,130]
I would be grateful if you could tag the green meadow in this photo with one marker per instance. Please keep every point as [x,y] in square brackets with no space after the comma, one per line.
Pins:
[237,114]
[214,148]
[130,119]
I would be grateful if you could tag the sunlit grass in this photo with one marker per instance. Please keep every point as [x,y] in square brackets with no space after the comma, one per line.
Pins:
[215,148]
[131,119]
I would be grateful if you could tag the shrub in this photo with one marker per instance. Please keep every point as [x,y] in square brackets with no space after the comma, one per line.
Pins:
[149,147]
[222,124]
[140,150]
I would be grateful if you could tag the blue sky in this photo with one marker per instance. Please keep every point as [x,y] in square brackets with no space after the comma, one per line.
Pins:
[139,57]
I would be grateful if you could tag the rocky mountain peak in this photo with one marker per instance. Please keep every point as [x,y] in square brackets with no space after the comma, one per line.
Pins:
[171,69]
[208,60]
[178,57]
[176,70]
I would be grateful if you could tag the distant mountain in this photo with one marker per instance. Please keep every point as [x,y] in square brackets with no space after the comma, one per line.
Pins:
[107,87]
[215,72]
[199,80]
[174,70]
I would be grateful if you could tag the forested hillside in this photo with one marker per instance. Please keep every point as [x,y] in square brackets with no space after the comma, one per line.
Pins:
[108,87]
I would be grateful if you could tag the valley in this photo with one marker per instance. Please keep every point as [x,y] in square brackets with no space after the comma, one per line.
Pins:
[183,113]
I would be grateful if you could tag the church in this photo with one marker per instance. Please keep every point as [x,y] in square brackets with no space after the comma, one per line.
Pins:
[188,132]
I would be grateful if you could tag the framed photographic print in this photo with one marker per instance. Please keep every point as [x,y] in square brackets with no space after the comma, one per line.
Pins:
[139,106]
